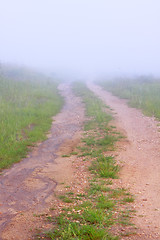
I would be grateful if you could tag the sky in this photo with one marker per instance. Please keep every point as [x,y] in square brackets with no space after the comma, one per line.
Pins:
[82,37]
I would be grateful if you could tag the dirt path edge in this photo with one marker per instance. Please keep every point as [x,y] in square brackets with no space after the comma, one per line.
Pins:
[140,159]
[27,189]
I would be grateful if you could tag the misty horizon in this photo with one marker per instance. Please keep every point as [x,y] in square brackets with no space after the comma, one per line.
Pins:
[82,38]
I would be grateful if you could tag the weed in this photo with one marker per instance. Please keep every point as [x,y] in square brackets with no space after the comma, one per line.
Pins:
[52,208]
[93,216]
[81,195]
[65,155]
[105,167]
[128,199]
[74,153]
[65,199]
[107,141]
[96,188]
[109,182]
[70,193]
[86,204]
[76,231]
[90,141]
[116,193]
[104,203]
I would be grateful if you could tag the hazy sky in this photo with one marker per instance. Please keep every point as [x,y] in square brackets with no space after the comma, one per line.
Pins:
[83,36]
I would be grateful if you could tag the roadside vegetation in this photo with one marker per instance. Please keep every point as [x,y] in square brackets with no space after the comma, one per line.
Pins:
[142,92]
[27,103]
[103,211]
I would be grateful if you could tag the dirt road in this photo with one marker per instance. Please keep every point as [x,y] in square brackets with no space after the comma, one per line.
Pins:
[29,185]
[140,156]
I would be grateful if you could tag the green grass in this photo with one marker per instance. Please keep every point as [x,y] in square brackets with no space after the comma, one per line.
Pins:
[91,215]
[97,188]
[85,232]
[105,167]
[65,199]
[128,199]
[93,107]
[66,155]
[141,92]
[26,108]
[105,203]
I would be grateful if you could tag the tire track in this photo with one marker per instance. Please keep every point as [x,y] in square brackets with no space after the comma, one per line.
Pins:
[28,184]
[141,162]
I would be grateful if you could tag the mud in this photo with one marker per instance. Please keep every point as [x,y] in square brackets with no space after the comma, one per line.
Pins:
[139,156]
[30,184]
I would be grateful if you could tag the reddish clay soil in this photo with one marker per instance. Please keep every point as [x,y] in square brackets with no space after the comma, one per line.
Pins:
[139,156]
[28,187]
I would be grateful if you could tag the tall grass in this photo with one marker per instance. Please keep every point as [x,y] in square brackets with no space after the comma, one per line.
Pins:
[143,93]
[26,107]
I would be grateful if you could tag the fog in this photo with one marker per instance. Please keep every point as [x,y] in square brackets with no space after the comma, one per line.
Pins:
[87,38]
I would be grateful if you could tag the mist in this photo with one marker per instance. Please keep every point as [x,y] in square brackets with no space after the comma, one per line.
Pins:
[83,38]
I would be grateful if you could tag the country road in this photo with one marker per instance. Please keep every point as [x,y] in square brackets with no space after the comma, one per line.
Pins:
[28,186]
[140,157]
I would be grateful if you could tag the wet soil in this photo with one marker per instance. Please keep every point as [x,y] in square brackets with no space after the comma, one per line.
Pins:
[139,155]
[28,186]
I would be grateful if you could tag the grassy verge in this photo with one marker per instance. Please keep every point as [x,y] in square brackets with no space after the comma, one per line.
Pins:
[102,210]
[26,108]
[142,93]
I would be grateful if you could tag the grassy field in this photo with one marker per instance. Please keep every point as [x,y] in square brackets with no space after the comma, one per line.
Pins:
[90,216]
[143,93]
[27,102]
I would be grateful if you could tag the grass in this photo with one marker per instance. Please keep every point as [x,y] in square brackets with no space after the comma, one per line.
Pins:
[85,232]
[92,214]
[65,199]
[128,199]
[105,167]
[26,107]
[141,92]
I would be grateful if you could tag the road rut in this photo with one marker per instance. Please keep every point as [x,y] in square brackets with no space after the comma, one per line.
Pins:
[140,156]
[28,184]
